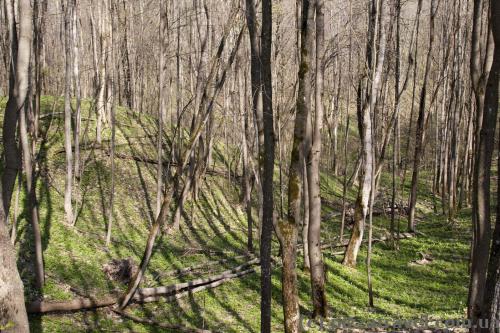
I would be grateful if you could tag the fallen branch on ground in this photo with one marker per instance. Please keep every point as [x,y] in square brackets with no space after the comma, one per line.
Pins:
[174,288]
[145,295]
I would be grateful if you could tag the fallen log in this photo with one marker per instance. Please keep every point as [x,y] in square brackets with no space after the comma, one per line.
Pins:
[178,328]
[196,289]
[73,305]
[144,295]
[147,292]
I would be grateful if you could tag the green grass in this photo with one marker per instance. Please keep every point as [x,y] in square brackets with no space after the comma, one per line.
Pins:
[214,227]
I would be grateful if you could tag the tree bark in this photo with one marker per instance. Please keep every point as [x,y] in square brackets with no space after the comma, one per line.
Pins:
[481,225]
[419,142]
[268,168]
[247,188]
[314,234]
[256,89]
[18,90]
[68,191]
[492,291]
[13,316]
[365,112]
[287,229]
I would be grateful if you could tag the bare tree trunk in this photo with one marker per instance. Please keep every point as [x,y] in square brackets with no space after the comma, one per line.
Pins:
[346,133]
[491,308]
[419,143]
[18,90]
[256,88]
[247,189]
[485,129]
[39,11]
[161,110]
[11,290]
[101,94]
[112,92]
[314,235]
[365,123]
[68,202]
[268,170]
[77,88]
[305,224]
[287,230]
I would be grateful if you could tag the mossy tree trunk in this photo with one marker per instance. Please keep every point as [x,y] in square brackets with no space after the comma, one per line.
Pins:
[365,127]
[288,229]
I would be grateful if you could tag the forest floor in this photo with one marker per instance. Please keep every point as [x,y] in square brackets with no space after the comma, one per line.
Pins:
[213,228]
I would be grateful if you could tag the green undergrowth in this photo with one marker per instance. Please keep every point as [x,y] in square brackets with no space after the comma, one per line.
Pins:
[214,227]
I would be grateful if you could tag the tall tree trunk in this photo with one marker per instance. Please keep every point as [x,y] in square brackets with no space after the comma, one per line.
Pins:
[18,90]
[77,88]
[287,229]
[485,128]
[247,188]
[39,11]
[419,142]
[365,112]
[68,191]
[268,168]
[11,292]
[112,86]
[491,309]
[256,88]
[314,235]
[162,105]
